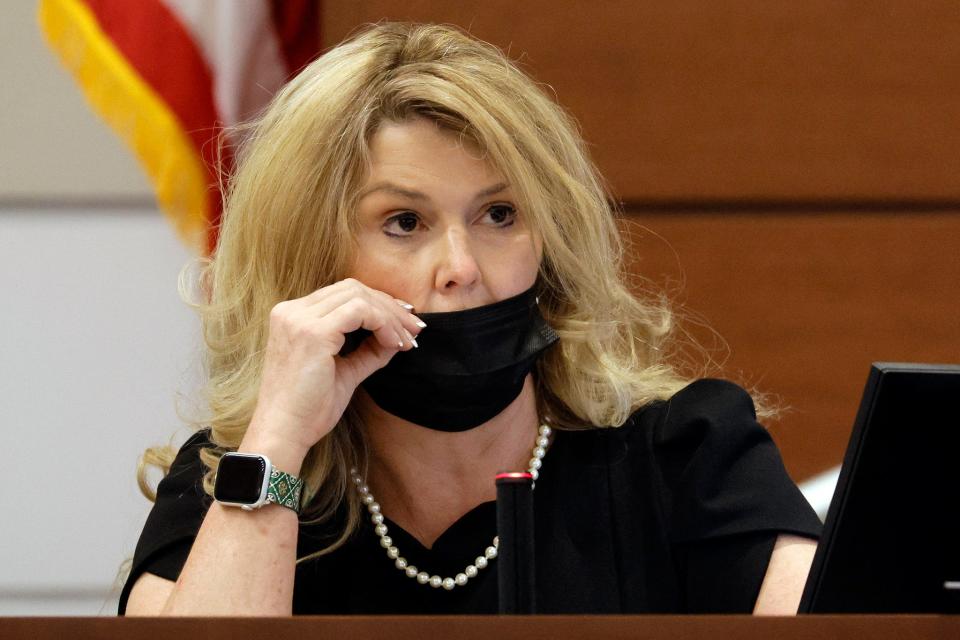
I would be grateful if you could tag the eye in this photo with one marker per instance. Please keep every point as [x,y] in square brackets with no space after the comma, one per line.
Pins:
[501,215]
[402,224]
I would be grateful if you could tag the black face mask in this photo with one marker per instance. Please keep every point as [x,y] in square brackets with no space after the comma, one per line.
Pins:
[469,367]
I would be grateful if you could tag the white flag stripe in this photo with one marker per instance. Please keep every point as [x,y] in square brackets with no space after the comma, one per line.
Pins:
[237,39]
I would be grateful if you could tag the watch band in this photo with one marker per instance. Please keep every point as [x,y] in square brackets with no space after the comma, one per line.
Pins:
[284,490]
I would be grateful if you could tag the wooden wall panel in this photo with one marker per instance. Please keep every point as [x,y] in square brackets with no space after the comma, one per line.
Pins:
[806,302]
[748,100]
[794,164]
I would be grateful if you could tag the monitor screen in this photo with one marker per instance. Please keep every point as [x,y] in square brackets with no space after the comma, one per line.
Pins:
[891,540]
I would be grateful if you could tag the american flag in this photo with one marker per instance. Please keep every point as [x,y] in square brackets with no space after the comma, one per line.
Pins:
[171,76]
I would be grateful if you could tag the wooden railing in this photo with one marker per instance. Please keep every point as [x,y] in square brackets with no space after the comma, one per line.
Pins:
[489,627]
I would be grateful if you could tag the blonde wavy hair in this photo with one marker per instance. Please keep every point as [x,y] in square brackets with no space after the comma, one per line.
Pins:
[288,230]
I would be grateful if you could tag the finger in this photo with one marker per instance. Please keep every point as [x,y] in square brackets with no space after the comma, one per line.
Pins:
[358,313]
[410,324]
[345,285]
[397,314]
[411,340]
[368,358]
[333,296]
[321,306]
[407,325]
[338,290]
[336,298]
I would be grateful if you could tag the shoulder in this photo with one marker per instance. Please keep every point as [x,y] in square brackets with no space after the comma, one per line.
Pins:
[718,471]
[709,419]
[713,396]
[703,408]
[187,467]
[181,500]
[190,450]
[175,518]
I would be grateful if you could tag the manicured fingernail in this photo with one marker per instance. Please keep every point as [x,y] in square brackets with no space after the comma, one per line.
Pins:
[405,305]
[412,340]
[420,323]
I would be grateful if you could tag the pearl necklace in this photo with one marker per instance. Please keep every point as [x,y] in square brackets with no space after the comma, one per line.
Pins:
[481,562]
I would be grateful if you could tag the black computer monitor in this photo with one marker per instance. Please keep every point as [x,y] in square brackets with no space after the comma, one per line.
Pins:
[891,540]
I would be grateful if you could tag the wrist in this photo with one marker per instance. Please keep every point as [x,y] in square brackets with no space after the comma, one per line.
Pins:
[251,481]
[282,454]
[281,433]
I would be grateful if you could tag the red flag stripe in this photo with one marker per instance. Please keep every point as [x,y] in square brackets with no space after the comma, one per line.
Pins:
[164,52]
[167,58]
[297,24]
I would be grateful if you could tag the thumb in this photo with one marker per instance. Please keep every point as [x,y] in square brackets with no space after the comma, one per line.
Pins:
[367,358]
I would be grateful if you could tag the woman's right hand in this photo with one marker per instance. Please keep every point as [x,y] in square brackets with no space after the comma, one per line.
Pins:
[306,386]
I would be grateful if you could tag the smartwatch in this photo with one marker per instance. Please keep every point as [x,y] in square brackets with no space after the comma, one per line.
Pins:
[249,481]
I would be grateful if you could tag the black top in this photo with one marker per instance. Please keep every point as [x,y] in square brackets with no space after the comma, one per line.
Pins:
[675,511]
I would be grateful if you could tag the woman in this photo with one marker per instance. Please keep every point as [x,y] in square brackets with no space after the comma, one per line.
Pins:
[418,286]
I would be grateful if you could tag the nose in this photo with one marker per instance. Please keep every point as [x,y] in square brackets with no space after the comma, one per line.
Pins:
[457,269]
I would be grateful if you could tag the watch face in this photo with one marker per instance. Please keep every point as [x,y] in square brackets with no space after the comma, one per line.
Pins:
[240,478]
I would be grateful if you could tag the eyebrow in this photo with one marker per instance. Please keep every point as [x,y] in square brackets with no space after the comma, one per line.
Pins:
[412,194]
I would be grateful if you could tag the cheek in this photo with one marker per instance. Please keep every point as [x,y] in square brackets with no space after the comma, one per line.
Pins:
[513,268]
[369,264]
[377,267]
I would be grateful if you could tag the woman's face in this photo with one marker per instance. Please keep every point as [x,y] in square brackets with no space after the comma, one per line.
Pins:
[438,226]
